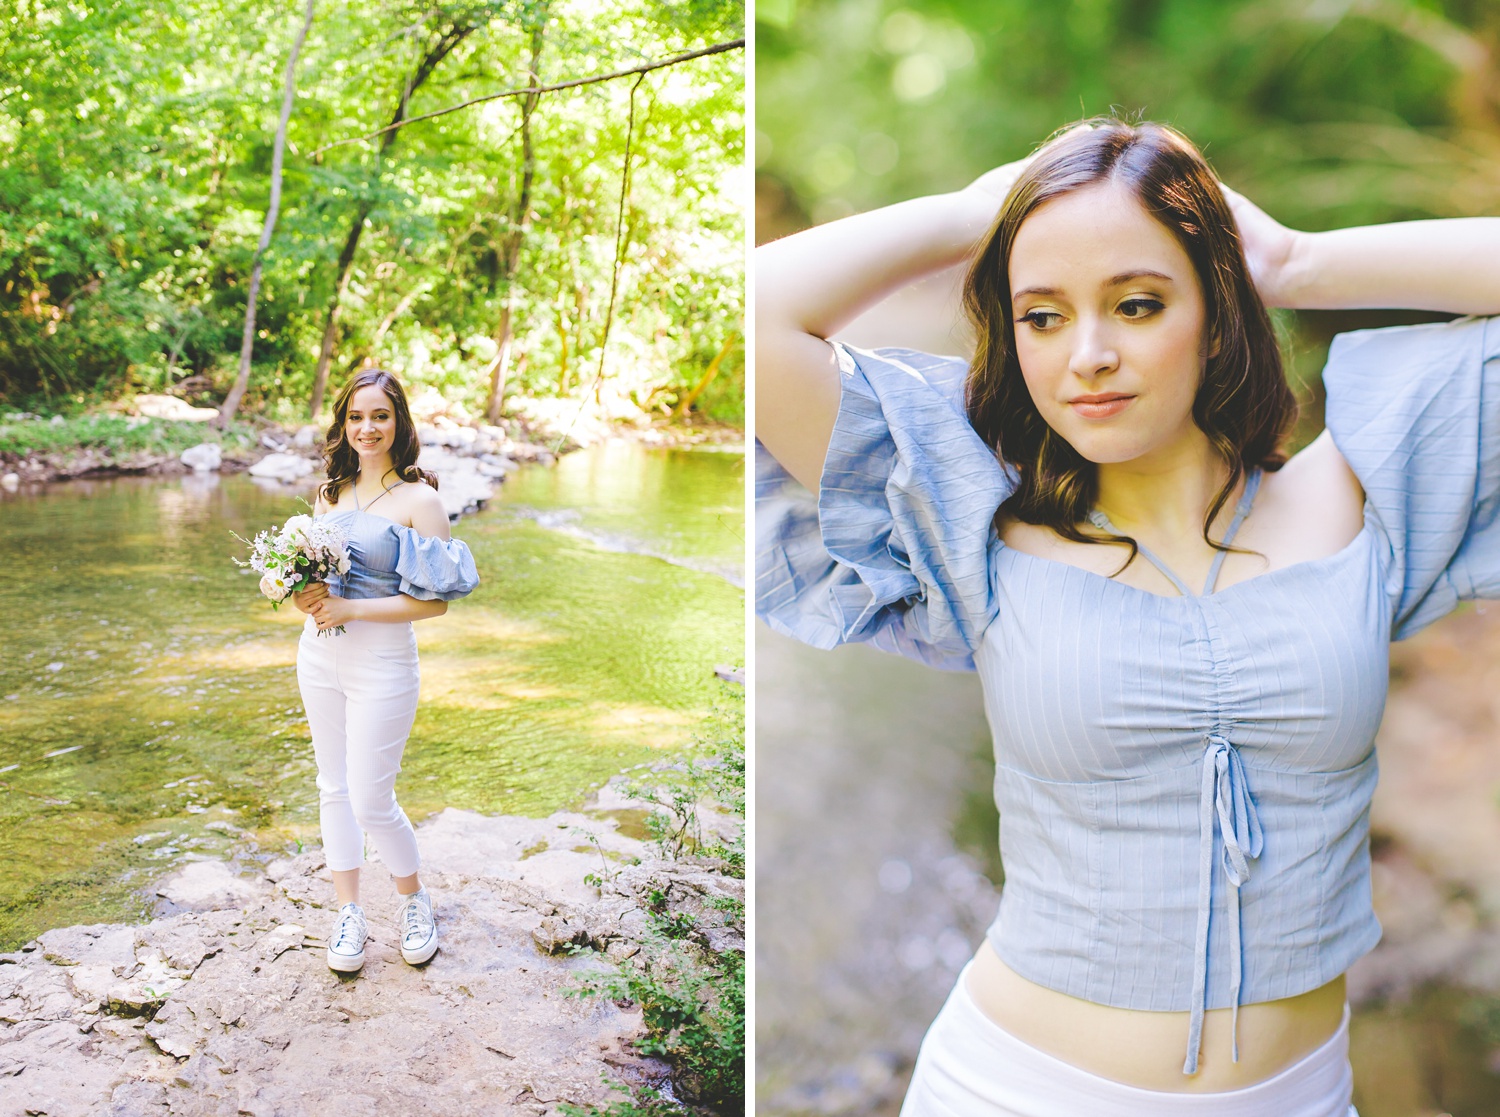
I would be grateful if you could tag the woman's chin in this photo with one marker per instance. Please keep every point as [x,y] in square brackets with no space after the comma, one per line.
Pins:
[1105,450]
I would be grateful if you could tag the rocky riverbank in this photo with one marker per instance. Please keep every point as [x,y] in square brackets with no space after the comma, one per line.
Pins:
[224,1004]
[160,435]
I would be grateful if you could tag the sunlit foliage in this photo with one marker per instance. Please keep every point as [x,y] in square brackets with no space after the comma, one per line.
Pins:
[135,146]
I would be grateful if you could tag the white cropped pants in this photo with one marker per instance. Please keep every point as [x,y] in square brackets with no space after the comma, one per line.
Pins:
[969,1066]
[360,692]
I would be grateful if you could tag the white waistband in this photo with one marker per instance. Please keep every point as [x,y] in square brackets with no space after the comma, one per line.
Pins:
[378,635]
[971,1067]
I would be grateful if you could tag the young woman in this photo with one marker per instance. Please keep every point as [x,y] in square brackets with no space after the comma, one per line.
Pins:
[1182,636]
[360,686]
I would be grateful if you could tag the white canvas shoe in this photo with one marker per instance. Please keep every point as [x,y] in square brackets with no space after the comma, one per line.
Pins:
[346,945]
[419,937]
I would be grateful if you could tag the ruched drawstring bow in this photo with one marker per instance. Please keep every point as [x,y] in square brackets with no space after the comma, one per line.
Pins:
[1225,800]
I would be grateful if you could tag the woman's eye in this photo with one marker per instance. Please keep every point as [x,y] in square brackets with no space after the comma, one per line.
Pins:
[1140,308]
[1041,319]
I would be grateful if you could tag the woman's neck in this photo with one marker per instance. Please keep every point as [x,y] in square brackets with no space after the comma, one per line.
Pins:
[374,474]
[1164,496]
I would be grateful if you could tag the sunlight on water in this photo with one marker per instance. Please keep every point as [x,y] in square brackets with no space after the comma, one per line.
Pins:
[148,704]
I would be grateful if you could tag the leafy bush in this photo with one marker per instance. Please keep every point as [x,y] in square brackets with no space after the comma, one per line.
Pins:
[116,433]
[692,1000]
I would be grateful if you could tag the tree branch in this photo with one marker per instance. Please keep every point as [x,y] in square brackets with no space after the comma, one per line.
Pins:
[644,68]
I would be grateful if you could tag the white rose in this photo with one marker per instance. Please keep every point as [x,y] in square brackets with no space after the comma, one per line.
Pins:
[274,588]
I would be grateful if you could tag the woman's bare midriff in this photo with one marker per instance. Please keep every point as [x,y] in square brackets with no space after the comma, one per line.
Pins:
[1146,1049]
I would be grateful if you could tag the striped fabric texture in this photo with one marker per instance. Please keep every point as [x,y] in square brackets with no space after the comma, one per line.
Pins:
[387,558]
[1184,783]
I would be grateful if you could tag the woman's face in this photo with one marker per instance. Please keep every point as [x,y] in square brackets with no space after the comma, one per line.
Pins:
[370,423]
[1109,321]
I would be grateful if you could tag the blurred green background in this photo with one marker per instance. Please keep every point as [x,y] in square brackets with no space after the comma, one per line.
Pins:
[1325,113]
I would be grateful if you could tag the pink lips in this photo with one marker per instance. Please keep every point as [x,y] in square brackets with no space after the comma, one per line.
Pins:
[1101,406]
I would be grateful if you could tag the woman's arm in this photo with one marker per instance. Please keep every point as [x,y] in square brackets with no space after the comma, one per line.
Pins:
[428,517]
[1451,265]
[810,285]
[332,611]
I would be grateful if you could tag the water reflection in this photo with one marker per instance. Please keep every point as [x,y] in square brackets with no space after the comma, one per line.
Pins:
[600,497]
[148,703]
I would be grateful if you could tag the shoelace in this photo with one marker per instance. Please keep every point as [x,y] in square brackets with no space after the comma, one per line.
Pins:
[346,930]
[415,919]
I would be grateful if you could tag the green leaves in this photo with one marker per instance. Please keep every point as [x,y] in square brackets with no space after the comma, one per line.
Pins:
[134,157]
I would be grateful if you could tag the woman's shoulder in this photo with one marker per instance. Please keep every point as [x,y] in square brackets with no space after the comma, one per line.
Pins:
[418,496]
[418,508]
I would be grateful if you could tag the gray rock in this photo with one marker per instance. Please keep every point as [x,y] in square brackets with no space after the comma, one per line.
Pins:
[205,457]
[209,886]
[464,483]
[495,466]
[282,467]
[170,407]
[235,1011]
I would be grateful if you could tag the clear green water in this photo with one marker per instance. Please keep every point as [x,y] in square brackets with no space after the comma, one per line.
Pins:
[652,502]
[148,701]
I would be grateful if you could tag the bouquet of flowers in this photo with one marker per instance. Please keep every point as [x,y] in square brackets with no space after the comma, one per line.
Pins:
[291,558]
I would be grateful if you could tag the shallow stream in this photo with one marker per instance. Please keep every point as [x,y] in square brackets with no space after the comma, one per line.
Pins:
[148,703]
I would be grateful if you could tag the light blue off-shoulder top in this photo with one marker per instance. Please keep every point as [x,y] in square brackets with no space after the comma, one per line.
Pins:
[387,558]
[1184,783]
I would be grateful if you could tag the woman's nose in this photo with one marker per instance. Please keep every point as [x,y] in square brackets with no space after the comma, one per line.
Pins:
[1093,350]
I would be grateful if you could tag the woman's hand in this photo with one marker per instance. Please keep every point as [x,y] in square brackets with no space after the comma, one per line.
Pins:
[1269,248]
[306,599]
[993,186]
[330,611]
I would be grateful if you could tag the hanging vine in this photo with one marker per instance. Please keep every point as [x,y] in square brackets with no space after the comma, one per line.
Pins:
[614,278]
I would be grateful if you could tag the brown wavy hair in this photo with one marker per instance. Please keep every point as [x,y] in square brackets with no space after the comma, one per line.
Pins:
[341,458]
[1243,404]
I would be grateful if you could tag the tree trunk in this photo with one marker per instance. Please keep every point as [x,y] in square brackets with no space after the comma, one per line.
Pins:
[247,341]
[713,370]
[520,218]
[435,54]
[562,340]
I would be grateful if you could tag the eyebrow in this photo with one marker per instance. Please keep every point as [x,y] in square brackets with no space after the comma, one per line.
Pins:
[1112,281]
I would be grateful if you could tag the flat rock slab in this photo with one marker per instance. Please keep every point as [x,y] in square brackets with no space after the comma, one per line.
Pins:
[230,1008]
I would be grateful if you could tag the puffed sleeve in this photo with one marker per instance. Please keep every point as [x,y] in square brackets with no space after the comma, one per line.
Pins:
[895,550]
[1415,410]
[433,569]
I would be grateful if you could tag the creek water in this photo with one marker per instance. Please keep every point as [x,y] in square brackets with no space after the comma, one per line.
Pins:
[148,702]
[877,869]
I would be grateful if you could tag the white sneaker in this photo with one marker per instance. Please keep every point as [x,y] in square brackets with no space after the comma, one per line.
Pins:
[346,945]
[419,937]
